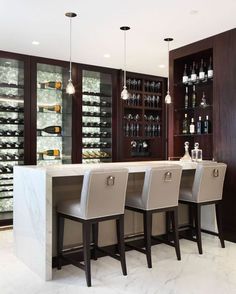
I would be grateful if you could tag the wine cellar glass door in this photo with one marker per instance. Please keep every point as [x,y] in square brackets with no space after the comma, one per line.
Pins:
[97,117]
[54,116]
[11,130]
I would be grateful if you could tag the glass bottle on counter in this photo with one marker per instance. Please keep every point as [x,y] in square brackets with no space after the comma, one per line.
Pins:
[196,153]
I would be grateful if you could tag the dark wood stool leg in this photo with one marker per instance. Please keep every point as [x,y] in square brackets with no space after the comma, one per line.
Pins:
[198,226]
[95,239]
[86,243]
[218,207]
[176,232]
[60,235]
[121,242]
[191,219]
[147,226]
[168,225]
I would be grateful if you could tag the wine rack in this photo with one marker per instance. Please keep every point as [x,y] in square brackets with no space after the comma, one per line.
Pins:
[54,115]
[142,118]
[11,129]
[197,103]
[96,117]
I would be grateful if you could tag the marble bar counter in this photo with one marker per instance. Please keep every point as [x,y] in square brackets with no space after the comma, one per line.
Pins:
[36,193]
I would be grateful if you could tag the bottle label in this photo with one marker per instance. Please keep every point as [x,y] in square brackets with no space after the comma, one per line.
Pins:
[191,129]
[201,75]
[210,73]
[185,79]
[193,77]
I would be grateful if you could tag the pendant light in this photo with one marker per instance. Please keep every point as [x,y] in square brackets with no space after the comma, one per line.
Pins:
[125,94]
[168,98]
[70,89]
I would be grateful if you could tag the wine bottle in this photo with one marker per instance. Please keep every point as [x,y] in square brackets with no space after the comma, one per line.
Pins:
[201,71]
[194,97]
[54,85]
[51,152]
[51,130]
[185,124]
[210,70]
[207,125]
[203,101]
[185,75]
[193,74]
[186,98]
[45,108]
[199,126]
[192,127]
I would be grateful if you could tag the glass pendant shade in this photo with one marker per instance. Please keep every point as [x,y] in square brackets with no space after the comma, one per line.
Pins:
[168,99]
[124,93]
[70,89]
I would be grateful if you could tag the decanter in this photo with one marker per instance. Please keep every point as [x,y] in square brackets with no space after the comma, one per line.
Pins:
[186,157]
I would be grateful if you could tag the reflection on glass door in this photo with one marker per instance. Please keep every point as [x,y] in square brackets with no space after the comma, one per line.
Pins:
[53,115]
[11,129]
[97,117]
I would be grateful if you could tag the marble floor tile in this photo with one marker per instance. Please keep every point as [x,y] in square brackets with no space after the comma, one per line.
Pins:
[213,272]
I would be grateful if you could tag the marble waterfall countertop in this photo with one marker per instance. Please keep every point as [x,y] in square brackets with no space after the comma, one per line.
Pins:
[79,169]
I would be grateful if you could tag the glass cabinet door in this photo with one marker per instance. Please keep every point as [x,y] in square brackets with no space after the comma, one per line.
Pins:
[11,129]
[54,115]
[97,117]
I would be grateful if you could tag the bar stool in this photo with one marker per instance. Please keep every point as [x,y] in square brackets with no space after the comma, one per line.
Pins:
[102,198]
[207,189]
[160,193]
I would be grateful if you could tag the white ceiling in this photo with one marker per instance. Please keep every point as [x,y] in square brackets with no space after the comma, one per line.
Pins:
[96,28]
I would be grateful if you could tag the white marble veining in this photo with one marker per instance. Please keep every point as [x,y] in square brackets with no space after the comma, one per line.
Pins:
[212,272]
[33,207]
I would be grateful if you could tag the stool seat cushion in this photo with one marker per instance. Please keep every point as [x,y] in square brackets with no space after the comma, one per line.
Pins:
[134,199]
[70,207]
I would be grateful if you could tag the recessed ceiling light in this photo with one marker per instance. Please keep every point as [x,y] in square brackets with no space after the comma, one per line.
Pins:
[35,43]
[106,55]
[193,11]
[162,65]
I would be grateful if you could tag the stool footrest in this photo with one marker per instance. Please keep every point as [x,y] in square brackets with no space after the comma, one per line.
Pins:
[113,255]
[74,262]
[139,249]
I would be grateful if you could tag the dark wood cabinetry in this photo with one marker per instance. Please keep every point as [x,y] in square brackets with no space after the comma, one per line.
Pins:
[193,101]
[220,95]
[142,118]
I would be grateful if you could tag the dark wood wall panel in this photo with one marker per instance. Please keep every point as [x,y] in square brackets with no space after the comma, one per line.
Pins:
[223,47]
[225,122]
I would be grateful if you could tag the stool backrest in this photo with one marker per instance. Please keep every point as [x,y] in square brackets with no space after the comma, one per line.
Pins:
[208,182]
[161,186]
[103,192]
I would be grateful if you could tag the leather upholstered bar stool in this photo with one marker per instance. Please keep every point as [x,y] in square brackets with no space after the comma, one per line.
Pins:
[102,198]
[160,193]
[207,189]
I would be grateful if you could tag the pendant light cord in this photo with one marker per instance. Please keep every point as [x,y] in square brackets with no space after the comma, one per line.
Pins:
[124,58]
[168,78]
[70,45]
